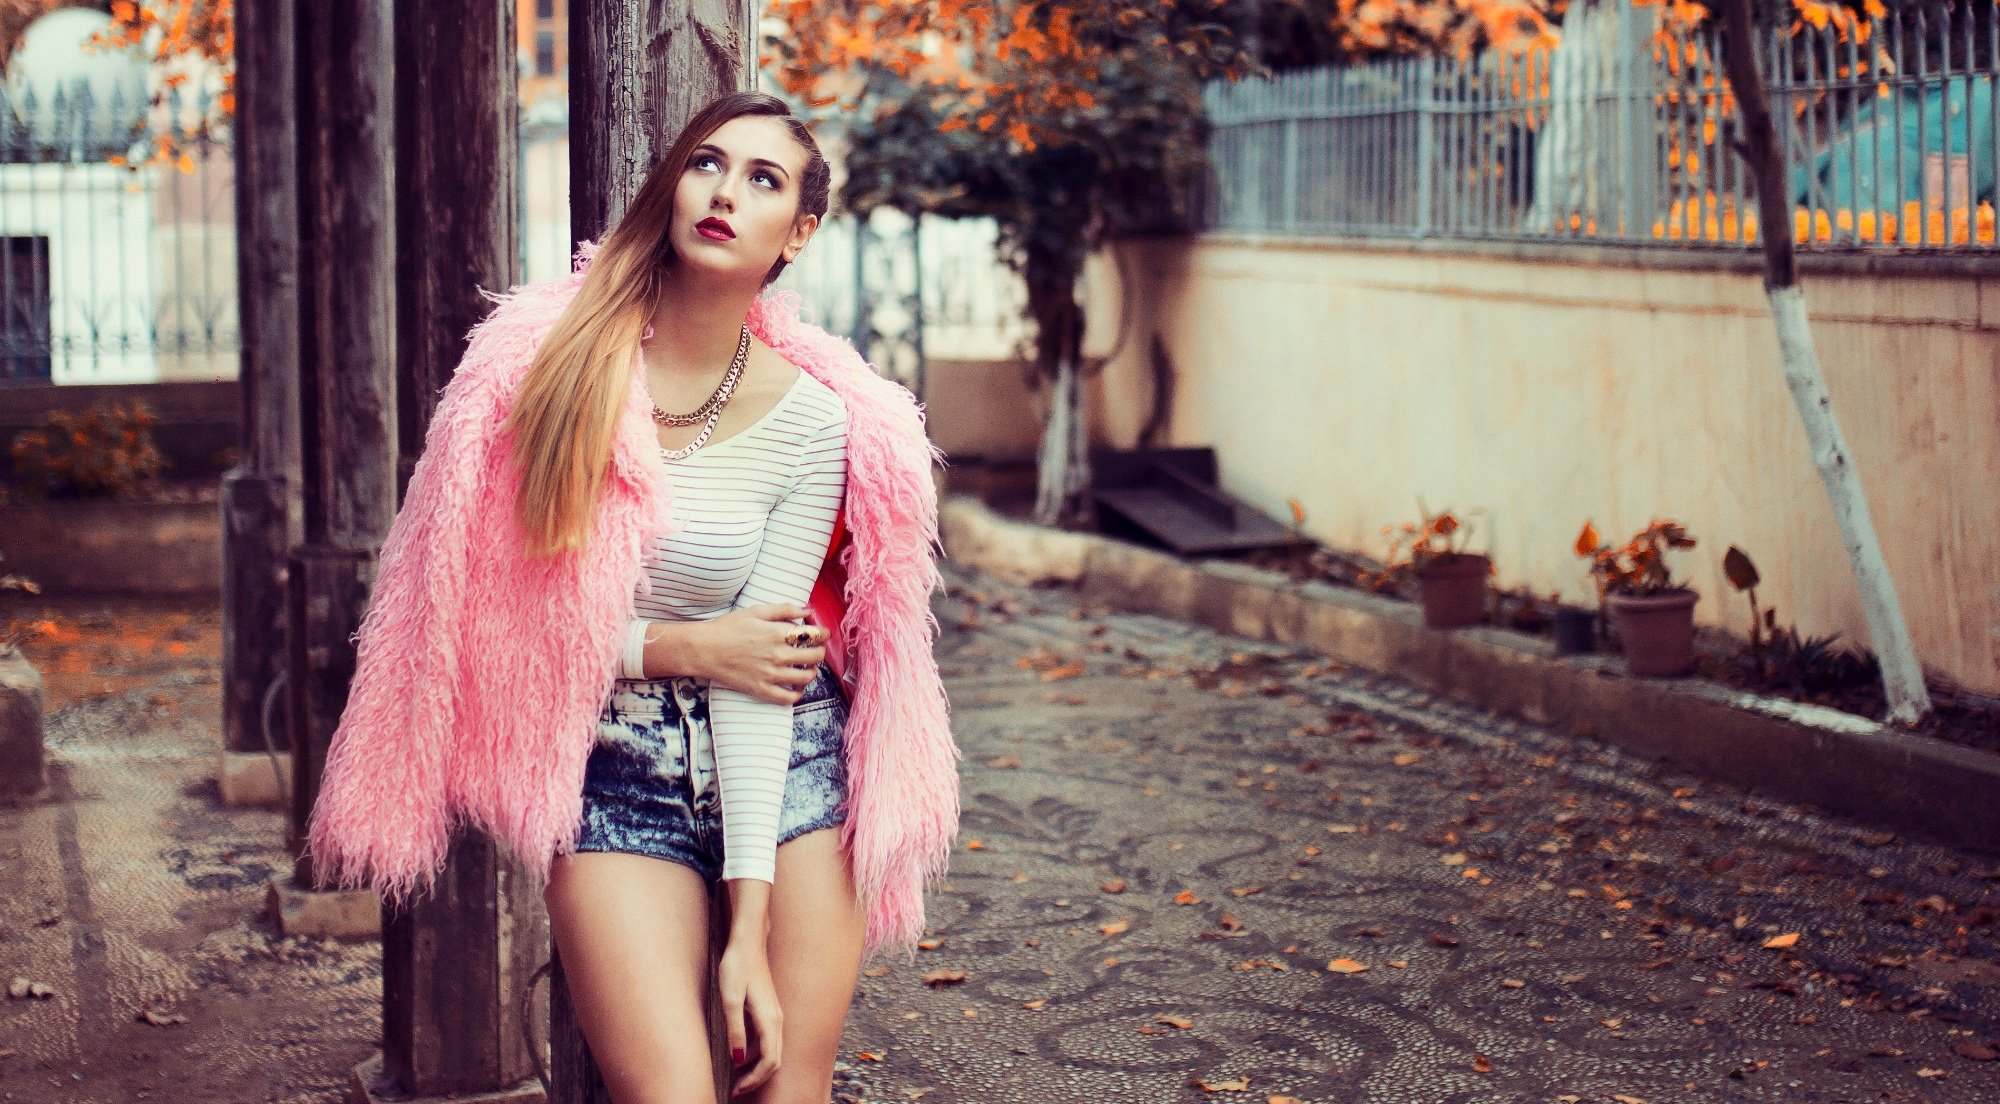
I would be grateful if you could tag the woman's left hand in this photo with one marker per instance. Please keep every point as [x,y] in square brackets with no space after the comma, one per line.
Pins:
[744,977]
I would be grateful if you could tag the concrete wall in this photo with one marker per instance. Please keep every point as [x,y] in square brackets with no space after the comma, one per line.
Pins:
[1548,388]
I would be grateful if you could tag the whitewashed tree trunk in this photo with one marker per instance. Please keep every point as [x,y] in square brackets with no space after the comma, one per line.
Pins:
[1567,162]
[1063,470]
[1902,676]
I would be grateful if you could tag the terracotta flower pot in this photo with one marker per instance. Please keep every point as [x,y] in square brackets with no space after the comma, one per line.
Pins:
[1452,589]
[1656,631]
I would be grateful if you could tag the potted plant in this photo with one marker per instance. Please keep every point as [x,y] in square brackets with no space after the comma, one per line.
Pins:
[1451,582]
[1653,613]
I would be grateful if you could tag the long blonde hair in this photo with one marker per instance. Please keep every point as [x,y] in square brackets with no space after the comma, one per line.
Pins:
[566,415]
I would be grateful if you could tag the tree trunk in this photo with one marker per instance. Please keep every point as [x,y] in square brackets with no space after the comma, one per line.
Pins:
[1062,495]
[1902,676]
[1567,176]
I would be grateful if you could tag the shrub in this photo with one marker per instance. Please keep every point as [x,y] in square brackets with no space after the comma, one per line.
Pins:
[106,450]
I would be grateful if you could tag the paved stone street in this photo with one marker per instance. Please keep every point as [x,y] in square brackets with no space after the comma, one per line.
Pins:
[137,898]
[1169,837]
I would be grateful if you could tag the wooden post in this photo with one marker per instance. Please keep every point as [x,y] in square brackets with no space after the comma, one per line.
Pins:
[347,418]
[257,495]
[637,72]
[456,962]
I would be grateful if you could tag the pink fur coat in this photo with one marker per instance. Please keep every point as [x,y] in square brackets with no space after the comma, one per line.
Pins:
[480,672]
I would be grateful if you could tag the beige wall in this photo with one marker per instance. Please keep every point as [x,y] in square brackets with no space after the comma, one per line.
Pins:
[980,408]
[1551,390]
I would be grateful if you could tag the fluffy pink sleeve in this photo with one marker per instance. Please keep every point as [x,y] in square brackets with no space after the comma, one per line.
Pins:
[381,816]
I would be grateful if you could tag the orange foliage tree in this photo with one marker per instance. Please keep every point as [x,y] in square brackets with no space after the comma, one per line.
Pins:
[181,32]
[1070,122]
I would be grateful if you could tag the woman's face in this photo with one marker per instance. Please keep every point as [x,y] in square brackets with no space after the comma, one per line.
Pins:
[736,209]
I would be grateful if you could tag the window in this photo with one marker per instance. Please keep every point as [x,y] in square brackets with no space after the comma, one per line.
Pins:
[545,9]
[545,53]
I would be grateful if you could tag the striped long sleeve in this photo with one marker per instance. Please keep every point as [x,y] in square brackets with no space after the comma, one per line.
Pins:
[757,510]
[753,737]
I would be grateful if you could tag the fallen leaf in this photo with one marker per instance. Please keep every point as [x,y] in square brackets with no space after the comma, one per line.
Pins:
[1174,1021]
[1456,858]
[1780,942]
[869,1056]
[1480,1064]
[1186,897]
[161,1019]
[943,977]
[1115,885]
[975,845]
[931,944]
[877,971]
[1245,891]
[1229,922]
[1405,758]
[1003,762]
[1235,1084]
[1346,966]
[1066,671]
[1115,927]
[1513,983]
[1975,1051]
[1929,1072]
[1036,1003]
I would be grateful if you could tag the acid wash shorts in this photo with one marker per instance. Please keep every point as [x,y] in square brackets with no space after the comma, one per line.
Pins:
[650,786]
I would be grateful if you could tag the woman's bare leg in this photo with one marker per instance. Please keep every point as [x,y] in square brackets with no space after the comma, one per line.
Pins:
[817,925]
[633,934]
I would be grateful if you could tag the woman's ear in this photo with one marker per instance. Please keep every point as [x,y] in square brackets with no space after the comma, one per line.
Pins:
[802,232]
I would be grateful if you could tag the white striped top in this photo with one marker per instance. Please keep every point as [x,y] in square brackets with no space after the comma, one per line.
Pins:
[756,511]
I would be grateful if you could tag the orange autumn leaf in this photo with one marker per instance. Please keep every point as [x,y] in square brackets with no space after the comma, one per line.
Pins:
[1347,966]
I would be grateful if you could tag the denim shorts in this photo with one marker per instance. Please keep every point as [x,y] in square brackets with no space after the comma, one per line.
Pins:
[650,785]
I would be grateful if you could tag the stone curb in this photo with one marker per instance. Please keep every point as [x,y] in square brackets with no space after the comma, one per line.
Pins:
[1783,749]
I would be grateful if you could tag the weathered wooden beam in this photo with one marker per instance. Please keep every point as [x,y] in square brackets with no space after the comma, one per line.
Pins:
[455,962]
[347,417]
[257,495]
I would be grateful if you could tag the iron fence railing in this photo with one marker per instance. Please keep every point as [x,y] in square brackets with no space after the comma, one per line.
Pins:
[1623,133]
[113,270]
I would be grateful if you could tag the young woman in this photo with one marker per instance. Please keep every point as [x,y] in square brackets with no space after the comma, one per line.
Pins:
[588,634]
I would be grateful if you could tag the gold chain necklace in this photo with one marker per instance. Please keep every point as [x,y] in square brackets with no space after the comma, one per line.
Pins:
[709,412]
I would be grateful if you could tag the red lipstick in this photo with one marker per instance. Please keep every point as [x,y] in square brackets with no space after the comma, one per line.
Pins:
[712,227]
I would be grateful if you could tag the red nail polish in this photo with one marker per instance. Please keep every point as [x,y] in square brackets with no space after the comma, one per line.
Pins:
[737,1054]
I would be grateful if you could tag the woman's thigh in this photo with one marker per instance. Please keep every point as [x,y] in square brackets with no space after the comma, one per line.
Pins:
[817,925]
[632,931]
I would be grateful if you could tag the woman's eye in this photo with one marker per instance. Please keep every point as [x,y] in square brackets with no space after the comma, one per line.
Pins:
[767,178]
[711,159]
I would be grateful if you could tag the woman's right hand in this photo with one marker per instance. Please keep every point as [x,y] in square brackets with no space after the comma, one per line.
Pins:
[749,650]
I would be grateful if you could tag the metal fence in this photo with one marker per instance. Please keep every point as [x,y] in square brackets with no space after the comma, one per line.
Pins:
[112,270]
[1623,134]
